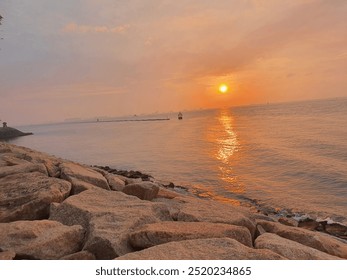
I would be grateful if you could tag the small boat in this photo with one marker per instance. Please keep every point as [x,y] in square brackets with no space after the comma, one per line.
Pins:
[180,116]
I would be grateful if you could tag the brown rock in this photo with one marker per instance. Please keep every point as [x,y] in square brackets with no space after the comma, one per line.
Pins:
[258,216]
[165,184]
[129,181]
[108,218]
[40,239]
[99,170]
[27,196]
[51,163]
[154,234]
[192,209]
[260,230]
[70,171]
[11,159]
[143,190]
[78,186]
[22,168]
[288,221]
[202,249]
[115,183]
[317,240]
[82,255]
[165,193]
[337,230]
[125,180]
[7,255]
[290,249]
[309,224]
[5,148]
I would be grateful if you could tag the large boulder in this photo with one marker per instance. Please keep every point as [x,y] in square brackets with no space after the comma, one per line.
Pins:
[22,168]
[72,171]
[290,249]
[309,224]
[40,239]
[317,240]
[191,209]
[51,163]
[124,179]
[78,186]
[202,249]
[143,190]
[154,234]
[115,183]
[288,221]
[10,159]
[108,218]
[28,196]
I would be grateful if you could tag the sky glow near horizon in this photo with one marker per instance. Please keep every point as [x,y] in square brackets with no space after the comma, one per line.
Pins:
[83,59]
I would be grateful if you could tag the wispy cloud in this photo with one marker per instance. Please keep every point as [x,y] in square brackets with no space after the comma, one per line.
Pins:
[66,92]
[82,29]
[296,28]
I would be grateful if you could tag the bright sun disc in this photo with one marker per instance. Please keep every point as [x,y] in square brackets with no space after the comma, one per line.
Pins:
[223,88]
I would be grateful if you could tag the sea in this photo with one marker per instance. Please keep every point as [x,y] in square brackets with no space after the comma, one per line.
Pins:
[284,159]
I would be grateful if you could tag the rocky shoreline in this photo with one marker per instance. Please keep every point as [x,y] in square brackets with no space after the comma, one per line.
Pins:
[51,208]
[286,217]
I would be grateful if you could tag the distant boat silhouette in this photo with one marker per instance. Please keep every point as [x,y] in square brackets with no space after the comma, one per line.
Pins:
[180,116]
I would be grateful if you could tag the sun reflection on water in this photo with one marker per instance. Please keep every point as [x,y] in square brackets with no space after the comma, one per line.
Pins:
[224,150]
[227,138]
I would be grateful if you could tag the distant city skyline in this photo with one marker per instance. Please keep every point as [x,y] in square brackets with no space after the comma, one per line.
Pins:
[83,59]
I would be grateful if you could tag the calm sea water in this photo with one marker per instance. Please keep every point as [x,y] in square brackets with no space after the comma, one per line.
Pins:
[289,157]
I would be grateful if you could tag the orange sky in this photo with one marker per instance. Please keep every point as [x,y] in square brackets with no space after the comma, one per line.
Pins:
[82,59]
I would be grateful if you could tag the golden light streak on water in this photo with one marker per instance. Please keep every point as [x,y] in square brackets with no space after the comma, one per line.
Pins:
[224,150]
[227,140]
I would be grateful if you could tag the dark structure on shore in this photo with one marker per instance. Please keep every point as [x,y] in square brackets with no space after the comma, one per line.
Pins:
[9,132]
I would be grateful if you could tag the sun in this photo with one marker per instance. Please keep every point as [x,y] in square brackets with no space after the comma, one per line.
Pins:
[223,88]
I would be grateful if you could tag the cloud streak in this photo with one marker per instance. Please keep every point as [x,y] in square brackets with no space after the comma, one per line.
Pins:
[305,24]
[84,29]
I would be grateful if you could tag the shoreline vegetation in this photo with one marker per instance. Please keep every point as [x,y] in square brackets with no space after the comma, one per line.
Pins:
[52,208]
